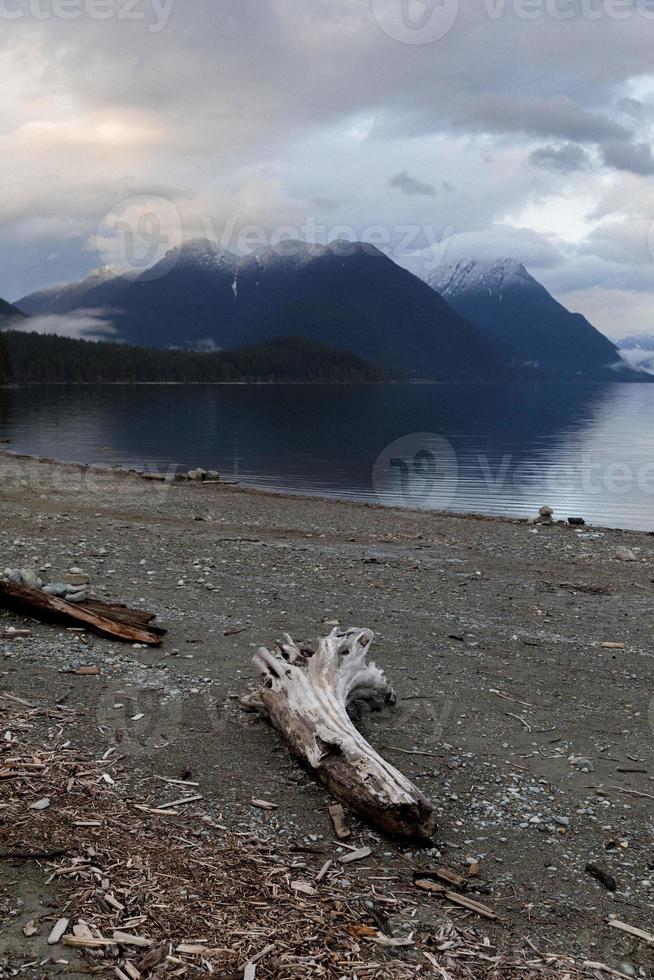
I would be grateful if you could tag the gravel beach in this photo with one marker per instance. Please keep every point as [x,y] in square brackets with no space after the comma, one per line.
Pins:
[521,657]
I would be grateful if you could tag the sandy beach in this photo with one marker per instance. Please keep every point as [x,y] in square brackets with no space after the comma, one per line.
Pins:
[521,657]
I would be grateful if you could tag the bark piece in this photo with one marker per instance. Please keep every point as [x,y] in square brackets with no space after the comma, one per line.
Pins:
[42,606]
[337,813]
[305,695]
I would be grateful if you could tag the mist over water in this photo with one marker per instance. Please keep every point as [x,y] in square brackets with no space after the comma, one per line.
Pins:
[586,450]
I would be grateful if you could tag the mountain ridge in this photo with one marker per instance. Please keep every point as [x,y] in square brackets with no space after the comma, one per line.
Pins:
[349,295]
[506,303]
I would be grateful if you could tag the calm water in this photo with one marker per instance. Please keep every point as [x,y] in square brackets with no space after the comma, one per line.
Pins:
[586,450]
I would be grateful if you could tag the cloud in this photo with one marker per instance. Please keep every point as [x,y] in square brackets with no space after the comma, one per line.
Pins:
[535,115]
[81,325]
[564,159]
[411,185]
[96,112]
[624,155]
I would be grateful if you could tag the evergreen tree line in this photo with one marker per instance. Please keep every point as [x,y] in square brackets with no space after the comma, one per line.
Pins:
[31,358]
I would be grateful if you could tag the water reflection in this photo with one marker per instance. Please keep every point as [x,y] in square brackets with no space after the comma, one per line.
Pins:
[588,450]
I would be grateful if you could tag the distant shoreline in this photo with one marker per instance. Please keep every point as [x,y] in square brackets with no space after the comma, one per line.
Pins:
[233,486]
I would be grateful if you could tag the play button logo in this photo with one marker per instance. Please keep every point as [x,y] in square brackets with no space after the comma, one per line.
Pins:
[416,21]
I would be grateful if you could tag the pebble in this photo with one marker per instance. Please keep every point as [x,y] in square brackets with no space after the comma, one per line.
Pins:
[625,554]
[57,589]
[30,578]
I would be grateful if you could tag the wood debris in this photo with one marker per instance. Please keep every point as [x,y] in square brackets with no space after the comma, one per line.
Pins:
[117,622]
[359,855]
[306,693]
[337,813]
[647,937]
[142,898]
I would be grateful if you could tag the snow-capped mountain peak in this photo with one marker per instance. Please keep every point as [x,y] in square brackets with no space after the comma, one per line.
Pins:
[474,275]
[201,253]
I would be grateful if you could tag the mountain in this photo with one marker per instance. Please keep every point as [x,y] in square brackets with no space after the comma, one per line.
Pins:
[346,295]
[509,306]
[643,341]
[32,358]
[638,351]
[8,312]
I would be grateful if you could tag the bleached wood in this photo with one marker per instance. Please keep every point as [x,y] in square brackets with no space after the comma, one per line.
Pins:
[306,697]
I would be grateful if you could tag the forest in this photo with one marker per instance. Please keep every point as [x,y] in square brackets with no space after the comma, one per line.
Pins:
[31,358]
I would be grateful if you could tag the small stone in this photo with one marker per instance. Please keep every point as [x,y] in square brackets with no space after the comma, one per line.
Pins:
[80,596]
[625,554]
[576,522]
[585,765]
[546,512]
[57,589]
[562,821]
[30,578]
[197,474]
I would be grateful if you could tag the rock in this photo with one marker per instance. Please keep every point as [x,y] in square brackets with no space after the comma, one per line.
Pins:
[625,554]
[213,475]
[30,578]
[57,589]
[546,512]
[77,578]
[576,522]
[197,474]
[585,765]
[562,821]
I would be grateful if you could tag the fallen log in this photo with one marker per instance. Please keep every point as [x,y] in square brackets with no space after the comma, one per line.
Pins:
[40,605]
[305,695]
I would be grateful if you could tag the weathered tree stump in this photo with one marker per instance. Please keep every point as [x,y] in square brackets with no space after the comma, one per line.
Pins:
[305,695]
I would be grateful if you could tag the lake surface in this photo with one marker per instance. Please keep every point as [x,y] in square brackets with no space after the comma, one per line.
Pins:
[586,450]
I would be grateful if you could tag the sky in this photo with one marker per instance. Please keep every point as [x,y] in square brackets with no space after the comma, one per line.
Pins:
[438,130]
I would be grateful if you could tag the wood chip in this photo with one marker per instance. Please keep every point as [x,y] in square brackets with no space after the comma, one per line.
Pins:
[58,931]
[124,939]
[324,870]
[264,805]
[337,813]
[363,852]
[88,671]
[632,930]
[84,942]
[40,804]
[182,802]
[304,888]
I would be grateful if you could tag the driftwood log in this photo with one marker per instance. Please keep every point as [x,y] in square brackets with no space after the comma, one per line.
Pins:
[117,622]
[306,696]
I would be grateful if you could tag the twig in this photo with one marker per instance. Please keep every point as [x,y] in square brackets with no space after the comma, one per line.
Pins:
[520,719]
